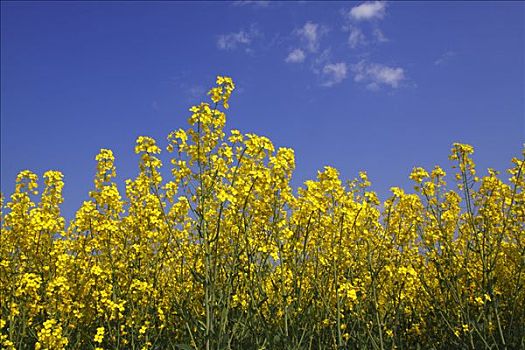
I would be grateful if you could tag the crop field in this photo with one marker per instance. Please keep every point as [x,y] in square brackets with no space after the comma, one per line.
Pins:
[224,254]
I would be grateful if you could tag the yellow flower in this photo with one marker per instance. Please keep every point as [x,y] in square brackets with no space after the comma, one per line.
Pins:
[99,337]
[418,174]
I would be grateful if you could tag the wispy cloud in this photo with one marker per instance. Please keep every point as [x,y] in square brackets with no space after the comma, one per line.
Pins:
[356,37]
[444,58]
[368,11]
[231,41]
[378,34]
[334,73]
[311,34]
[321,59]
[189,92]
[375,75]
[196,91]
[295,56]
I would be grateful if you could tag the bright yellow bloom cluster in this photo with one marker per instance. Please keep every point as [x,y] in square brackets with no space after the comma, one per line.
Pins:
[50,337]
[99,336]
[224,254]
[223,91]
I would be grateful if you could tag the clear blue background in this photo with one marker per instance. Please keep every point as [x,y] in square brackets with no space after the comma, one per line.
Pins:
[80,76]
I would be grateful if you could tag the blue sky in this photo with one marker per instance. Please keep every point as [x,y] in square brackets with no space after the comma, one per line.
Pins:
[375,86]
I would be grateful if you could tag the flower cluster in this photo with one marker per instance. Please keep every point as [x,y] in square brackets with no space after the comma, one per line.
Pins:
[224,254]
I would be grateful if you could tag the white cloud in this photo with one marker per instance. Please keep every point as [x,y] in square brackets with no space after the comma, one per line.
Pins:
[378,34]
[376,75]
[356,37]
[369,10]
[321,59]
[196,91]
[359,35]
[296,56]
[231,41]
[311,33]
[189,92]
[334,73]
[444,58]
